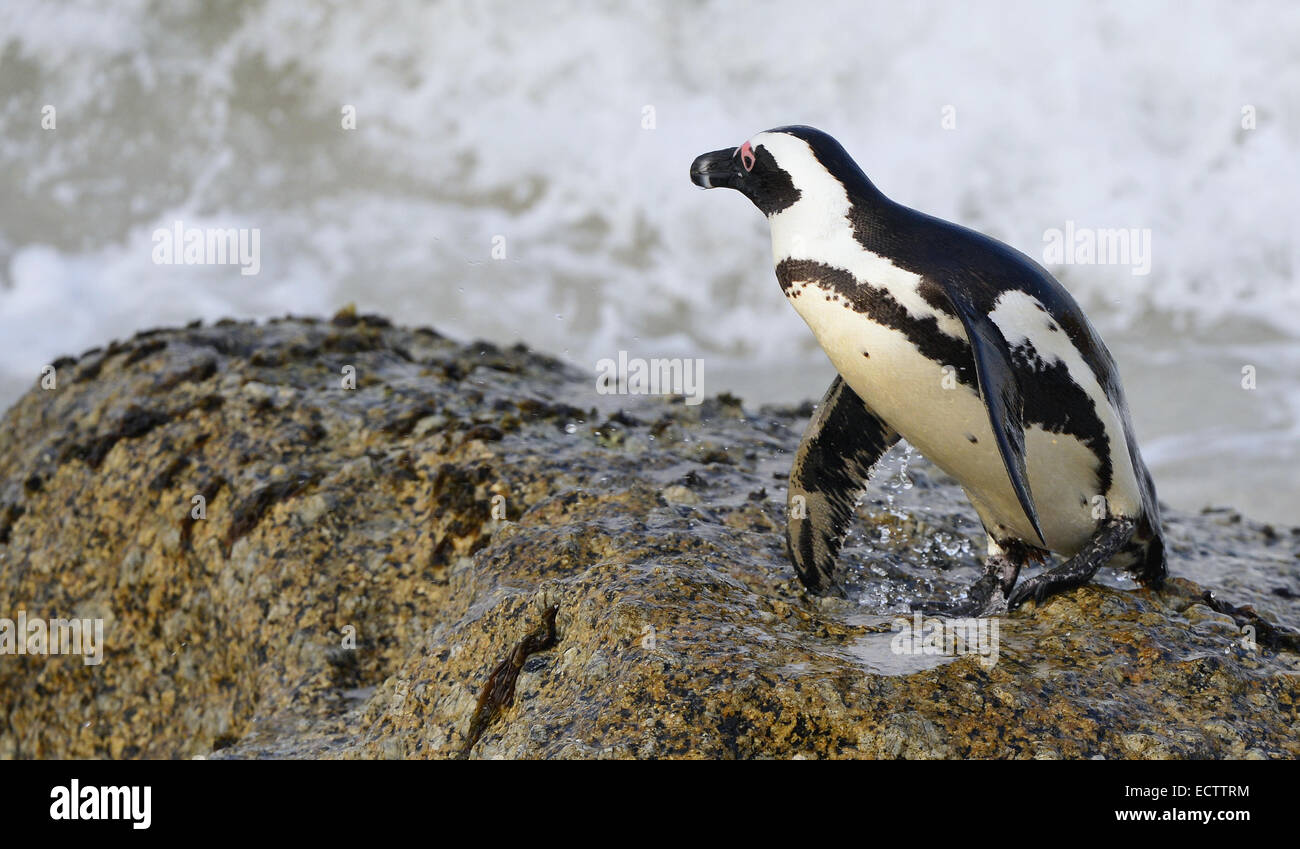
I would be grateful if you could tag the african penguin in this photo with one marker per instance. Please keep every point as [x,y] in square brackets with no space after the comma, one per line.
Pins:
[961,345]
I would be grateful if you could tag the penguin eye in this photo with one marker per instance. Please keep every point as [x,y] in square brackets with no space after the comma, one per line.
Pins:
[747,156]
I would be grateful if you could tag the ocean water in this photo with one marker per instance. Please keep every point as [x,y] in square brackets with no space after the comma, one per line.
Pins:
[520,172]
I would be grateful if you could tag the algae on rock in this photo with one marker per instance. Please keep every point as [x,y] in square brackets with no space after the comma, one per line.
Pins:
[289,567]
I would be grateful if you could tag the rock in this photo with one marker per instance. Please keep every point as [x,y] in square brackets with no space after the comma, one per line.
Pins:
[288,567]
[678,494]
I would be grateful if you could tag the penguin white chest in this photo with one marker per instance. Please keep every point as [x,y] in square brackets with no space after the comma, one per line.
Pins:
[919,397]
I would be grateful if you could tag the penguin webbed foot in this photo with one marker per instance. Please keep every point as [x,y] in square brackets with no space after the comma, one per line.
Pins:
[985,597]
[1079,569]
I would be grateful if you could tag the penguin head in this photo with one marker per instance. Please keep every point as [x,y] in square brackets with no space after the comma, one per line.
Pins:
[778,167]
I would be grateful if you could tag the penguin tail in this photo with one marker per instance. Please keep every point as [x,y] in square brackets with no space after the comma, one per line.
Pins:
[1145,555]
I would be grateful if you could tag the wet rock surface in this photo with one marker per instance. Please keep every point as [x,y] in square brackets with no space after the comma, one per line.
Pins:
[473,554]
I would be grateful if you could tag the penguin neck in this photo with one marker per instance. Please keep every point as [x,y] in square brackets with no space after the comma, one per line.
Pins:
[821,223]
[860,190]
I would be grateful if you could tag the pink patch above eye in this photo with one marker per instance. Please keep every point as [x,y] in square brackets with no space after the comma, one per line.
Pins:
[747,156]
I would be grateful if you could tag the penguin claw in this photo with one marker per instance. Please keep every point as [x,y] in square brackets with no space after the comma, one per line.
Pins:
[1039,588]
[980,601]
[961,609]
[933,608]
[991,606]
[1033,588]
[1080,568]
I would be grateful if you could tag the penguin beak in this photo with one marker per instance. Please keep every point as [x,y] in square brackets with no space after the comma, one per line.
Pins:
[715,170]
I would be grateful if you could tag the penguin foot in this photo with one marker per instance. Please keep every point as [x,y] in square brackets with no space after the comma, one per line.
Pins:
[1039,589]
[988,595]
[1079,569]
[983,598]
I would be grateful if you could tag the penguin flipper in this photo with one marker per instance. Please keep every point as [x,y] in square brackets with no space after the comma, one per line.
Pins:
[1001,393]
[842,442]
